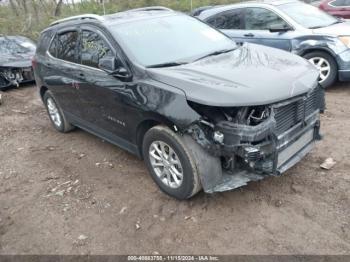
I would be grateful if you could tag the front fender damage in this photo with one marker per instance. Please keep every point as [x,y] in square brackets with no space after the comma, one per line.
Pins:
[213,177]
[251,143]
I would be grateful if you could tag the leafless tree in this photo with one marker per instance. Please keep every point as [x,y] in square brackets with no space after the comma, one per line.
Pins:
[57,11]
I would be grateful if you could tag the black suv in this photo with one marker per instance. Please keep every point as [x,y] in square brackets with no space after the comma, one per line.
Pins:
[200,110]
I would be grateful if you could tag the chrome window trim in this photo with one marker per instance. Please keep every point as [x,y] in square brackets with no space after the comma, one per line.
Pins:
[72,63]
[69,62]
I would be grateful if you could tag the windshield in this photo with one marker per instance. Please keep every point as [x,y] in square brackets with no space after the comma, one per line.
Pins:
[8,47]
[171,39]
[307,15]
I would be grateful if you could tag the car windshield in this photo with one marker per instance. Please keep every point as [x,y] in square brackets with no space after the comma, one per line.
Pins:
[170,40]
[308,16]
[8,46]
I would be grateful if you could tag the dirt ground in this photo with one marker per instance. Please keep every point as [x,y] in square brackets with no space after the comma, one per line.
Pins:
[76,194]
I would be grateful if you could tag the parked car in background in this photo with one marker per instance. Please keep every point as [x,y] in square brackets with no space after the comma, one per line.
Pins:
[201,111]
[338,8]
[292,26]
[16,54]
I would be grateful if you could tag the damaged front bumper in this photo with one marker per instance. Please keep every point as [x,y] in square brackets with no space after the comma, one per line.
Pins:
[243,153]
[12,76]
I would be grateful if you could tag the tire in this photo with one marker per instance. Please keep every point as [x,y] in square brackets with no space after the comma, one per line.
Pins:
[190,184]
[61,125]
[315,57]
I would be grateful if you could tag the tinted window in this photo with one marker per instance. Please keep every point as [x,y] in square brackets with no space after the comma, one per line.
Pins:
[66,46]
[93,49]
[227,20]
[340,3]
[262,19]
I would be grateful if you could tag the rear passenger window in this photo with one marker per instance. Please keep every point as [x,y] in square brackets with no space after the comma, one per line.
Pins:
[94,47]
[228,20]
[66,44]
[262,19]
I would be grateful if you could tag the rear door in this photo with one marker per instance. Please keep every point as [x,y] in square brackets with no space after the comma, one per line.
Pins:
[258,21]
[230,23]
[62,69]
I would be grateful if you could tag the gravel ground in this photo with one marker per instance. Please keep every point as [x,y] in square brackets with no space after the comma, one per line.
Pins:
[76,194]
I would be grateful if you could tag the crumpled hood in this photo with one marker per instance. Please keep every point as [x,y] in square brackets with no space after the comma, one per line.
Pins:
[250,75]
[16,60]
[334,30]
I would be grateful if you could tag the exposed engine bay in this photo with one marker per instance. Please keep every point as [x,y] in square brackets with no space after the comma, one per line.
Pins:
[15,76]
[256,141]
[16,53]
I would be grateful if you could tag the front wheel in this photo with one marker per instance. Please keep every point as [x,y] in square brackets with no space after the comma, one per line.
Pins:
[170,163]
[326,65]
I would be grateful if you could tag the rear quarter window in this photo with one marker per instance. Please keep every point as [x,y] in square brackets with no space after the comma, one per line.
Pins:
[44,41]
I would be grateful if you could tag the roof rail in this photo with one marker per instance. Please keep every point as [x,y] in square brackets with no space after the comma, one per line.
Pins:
[78,17]
[151,8]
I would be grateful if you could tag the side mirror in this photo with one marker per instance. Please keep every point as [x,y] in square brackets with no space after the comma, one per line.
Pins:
[107,64]
[122,73]
[279,28]
[113,67]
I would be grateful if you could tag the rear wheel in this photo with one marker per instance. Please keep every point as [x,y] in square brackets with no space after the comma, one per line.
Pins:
[56,115]
[326,65]
[170,163]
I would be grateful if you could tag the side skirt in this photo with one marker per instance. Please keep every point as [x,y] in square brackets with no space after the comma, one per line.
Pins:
[105,135]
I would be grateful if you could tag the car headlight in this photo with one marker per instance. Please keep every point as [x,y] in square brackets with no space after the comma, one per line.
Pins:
[345,40]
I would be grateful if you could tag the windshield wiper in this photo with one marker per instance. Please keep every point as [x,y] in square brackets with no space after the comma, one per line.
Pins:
[320,26]
[167,64]
[216,53]
[315,27]
[337,22]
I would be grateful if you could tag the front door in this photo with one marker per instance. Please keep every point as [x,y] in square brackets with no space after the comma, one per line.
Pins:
[102,95]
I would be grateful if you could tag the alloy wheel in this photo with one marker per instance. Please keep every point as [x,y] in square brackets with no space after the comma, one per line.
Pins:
[166,164]
[53,112]
[323,66]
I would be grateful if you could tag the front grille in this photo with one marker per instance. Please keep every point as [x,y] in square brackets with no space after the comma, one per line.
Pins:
[290,114]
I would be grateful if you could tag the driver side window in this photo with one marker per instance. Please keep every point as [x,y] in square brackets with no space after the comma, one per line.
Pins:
[262,19]
[93,48]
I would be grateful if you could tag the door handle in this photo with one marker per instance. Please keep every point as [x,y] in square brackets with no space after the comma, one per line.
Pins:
[249,35]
